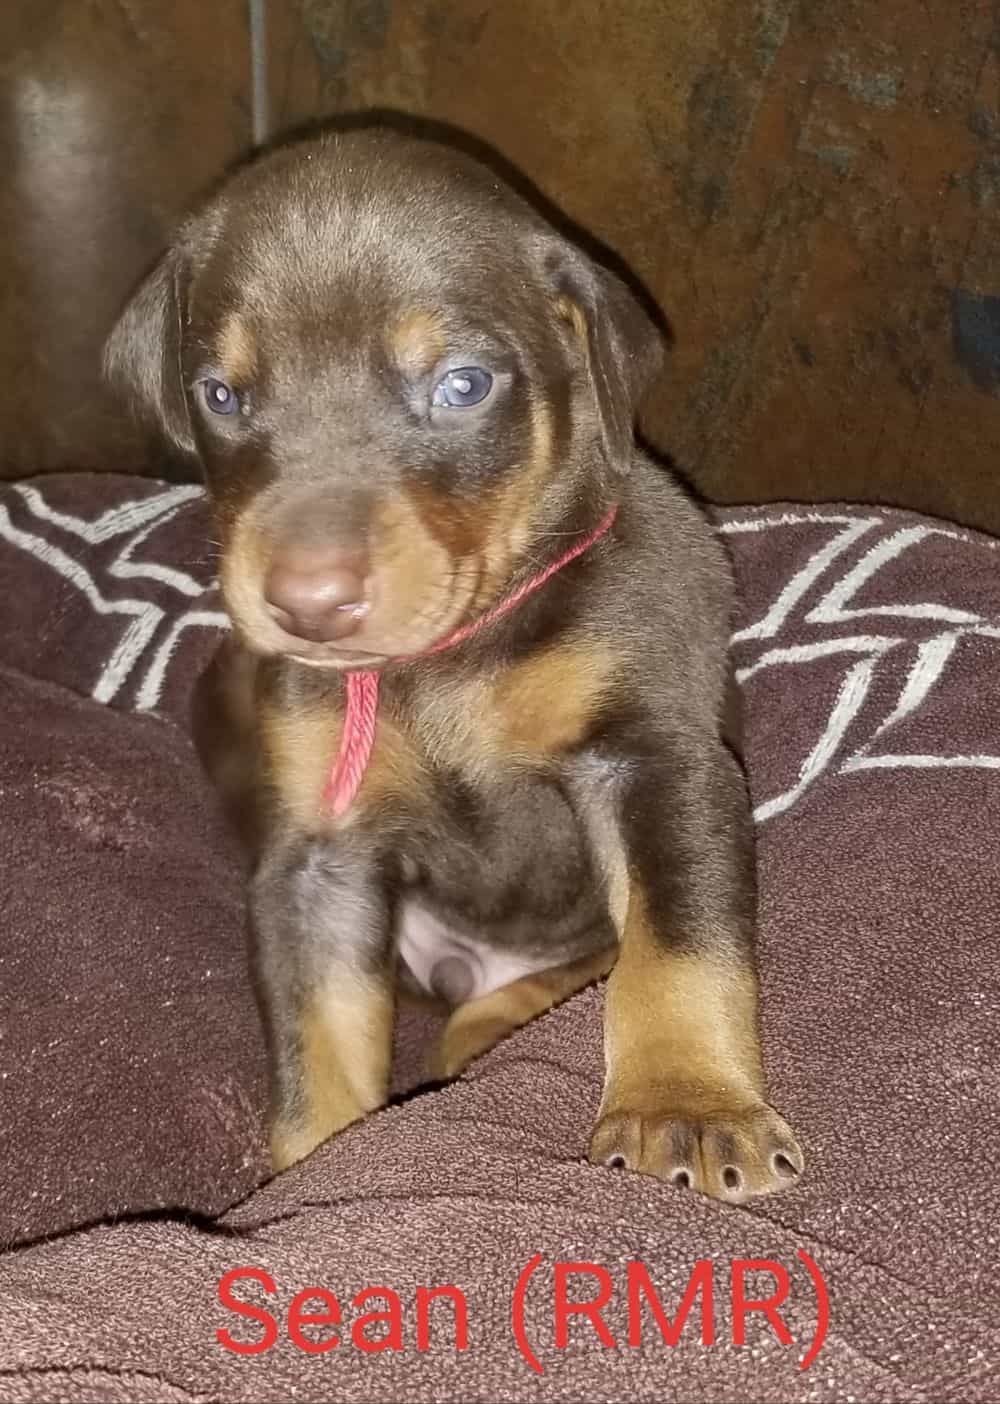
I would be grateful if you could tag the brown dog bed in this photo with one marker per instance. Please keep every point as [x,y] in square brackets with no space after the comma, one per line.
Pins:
[131,1079]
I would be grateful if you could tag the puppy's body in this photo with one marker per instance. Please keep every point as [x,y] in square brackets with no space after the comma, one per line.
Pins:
[493,762]
[426,397]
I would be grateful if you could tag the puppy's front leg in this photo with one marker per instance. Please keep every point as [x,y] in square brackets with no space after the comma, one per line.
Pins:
[322,956]
[684,1096]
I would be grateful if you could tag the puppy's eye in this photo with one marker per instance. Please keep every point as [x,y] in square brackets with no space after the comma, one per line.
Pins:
[468,386]
[220,397]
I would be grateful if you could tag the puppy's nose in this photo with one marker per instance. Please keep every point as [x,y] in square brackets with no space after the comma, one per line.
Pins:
[317,594]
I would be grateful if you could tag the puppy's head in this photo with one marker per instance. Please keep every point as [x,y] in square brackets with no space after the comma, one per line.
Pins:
[402,383]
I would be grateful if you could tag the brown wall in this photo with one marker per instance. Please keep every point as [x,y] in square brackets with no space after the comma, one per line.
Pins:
[113,115]
[811,188]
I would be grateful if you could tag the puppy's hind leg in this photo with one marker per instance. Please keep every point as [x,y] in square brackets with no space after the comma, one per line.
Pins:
[478,1025]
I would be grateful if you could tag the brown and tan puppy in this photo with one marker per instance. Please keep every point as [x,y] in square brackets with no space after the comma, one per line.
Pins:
[411,395]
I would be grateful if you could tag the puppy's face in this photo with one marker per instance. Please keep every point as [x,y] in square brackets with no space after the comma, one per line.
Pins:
[402,384]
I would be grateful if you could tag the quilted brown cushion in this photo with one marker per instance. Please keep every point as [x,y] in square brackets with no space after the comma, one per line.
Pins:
[869,649]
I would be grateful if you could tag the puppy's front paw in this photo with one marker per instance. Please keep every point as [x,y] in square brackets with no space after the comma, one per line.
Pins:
[292,1139]
[291,1143]
[730,1153]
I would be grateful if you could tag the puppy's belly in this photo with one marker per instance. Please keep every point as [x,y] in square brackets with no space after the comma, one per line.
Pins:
[451,964]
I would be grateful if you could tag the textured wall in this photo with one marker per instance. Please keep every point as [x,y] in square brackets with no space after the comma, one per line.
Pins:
[811,188]
[113,113]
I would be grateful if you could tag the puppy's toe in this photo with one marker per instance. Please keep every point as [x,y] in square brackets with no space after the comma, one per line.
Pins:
[747,1154]
[729,1154]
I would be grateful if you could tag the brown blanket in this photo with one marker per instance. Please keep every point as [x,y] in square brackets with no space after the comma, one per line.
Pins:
[130,1064]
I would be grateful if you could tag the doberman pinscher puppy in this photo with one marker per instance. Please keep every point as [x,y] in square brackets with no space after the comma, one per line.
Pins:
[476,715]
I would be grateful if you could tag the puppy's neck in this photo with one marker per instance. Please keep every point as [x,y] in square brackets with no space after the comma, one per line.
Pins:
[361,714]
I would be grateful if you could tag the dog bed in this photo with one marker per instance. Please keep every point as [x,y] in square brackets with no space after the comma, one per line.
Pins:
[133,1171]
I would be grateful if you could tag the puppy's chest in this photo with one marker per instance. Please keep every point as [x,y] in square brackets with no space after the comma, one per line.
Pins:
[496,882]
[485,732]
[499,878]
[464,798]
[519,717]
[497,846]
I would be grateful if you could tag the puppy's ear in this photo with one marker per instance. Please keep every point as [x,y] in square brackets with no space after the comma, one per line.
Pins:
[623,341]
[142,356]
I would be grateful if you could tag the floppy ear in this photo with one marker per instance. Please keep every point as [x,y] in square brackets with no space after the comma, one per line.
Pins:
[142,356]
[623,344]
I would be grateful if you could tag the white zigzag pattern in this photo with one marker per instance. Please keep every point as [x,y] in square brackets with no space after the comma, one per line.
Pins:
[134,521]
[932,654]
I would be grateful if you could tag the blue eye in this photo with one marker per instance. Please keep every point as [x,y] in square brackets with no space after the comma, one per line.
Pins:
[220,397]
[468,385]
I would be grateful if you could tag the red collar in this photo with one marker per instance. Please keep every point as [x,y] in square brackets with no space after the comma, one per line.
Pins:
[358,736]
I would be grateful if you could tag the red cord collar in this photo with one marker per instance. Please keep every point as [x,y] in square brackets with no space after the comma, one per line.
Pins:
[360,716]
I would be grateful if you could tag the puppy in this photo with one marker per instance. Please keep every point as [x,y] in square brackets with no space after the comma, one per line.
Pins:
[476,717]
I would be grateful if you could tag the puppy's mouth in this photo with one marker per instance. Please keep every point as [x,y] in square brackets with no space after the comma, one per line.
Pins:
[326,653]
[369,635]
[312,644]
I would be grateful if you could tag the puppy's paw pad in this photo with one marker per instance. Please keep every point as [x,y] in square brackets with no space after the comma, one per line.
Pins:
[731,1155]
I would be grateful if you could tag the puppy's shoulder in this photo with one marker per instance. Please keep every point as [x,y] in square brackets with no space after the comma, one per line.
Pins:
[666,597]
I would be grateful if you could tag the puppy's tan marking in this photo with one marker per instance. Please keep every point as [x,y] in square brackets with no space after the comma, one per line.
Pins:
[346,1040]
[479,1025]
[523,716]
[417,341]
[396,773]
[456,525]
[509,517]
[422,597]
[236,348]
[546,705]
[572,313]
[485,538]
[244,561]
[301,745]
[679,1025]
[452,722]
